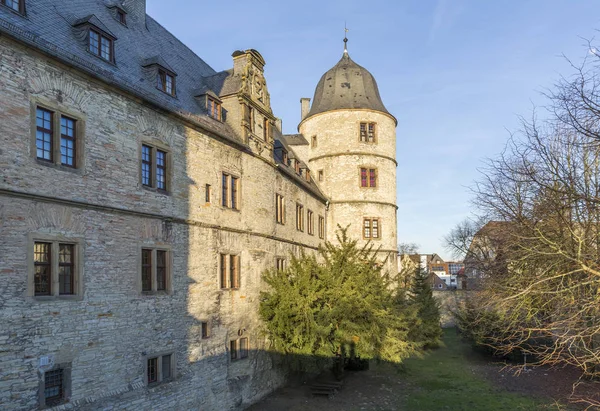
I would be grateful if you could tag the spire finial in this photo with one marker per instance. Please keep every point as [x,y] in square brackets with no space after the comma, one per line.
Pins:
[345,39]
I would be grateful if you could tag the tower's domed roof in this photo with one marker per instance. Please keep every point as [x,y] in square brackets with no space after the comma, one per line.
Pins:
[346,86]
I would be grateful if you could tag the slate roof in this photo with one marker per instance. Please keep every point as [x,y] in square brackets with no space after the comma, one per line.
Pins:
[346,86]
[53,27]
[50,26]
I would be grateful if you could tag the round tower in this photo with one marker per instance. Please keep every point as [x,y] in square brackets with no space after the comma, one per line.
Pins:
[352,150]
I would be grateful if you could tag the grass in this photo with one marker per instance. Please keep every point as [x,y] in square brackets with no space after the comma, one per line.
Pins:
[442,380]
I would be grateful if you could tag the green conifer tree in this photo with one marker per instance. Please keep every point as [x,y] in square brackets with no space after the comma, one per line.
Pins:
[335,304]
[427,331]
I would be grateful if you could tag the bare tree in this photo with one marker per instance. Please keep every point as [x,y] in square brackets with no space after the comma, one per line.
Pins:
[544,263]
[408,248]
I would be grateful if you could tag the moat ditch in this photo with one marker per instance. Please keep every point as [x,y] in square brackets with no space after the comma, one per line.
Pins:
[453,377]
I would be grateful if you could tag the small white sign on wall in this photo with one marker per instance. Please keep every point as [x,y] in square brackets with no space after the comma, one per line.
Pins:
[46,361]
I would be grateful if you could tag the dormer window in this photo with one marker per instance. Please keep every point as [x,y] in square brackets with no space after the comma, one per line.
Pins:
[213,108]
[307,175]
[284,156]
[122,17]
[166,82]
[297,166]
[101,45]
[16,5]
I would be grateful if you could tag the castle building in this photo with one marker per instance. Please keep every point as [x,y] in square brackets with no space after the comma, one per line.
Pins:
[143,194]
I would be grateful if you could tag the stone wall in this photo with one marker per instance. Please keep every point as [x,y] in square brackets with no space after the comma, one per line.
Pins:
[106,333]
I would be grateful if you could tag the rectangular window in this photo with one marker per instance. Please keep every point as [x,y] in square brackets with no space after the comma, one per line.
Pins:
[205,330]
[155,270]
[299,217]
[239,349]
[58,138]
[66,269]
[214,108]
[367,132]
[234,193]
[368,177]
[371,228]
[230,271]
[67,141]
[154,168]
[160,368]
[279,209]
[311,222]
[320,175]
[161,270]
[161,170]
[146,270]
[147,165]
[233,350]
[321,227]
[280,264]
[152,370]
[234,271]
[55,269]
[314,142]
[44,134]
[16,5]
[166,367]
[122,17]
[207,193]
[100,45]
[54,388]
[244,347]
[43,268]
[229,194]
[166,82]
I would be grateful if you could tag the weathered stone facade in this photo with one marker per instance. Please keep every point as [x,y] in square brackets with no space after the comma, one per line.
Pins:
[103,333]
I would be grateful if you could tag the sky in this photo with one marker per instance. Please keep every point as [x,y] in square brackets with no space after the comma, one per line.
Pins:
[456,74]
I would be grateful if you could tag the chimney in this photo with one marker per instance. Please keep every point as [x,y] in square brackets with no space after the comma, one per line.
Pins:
[136,9]
[305,107]
[279,125]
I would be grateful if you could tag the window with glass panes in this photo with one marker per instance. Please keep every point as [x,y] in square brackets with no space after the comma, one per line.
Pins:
[154,168]
[154,270]
[299,217]
[67,141]
[54,268]
[229,267]
[16,5]
[238,349]
[279,209]
[54,387]
[368,177]
[166,82]
[159,369]
[371,228]
[311,222]
[229,193]
[44,134]
[100,45]
[56,137]
[321,227]
[367,132]
[214,108]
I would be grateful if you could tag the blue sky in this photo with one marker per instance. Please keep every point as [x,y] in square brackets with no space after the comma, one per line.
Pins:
[455,73]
